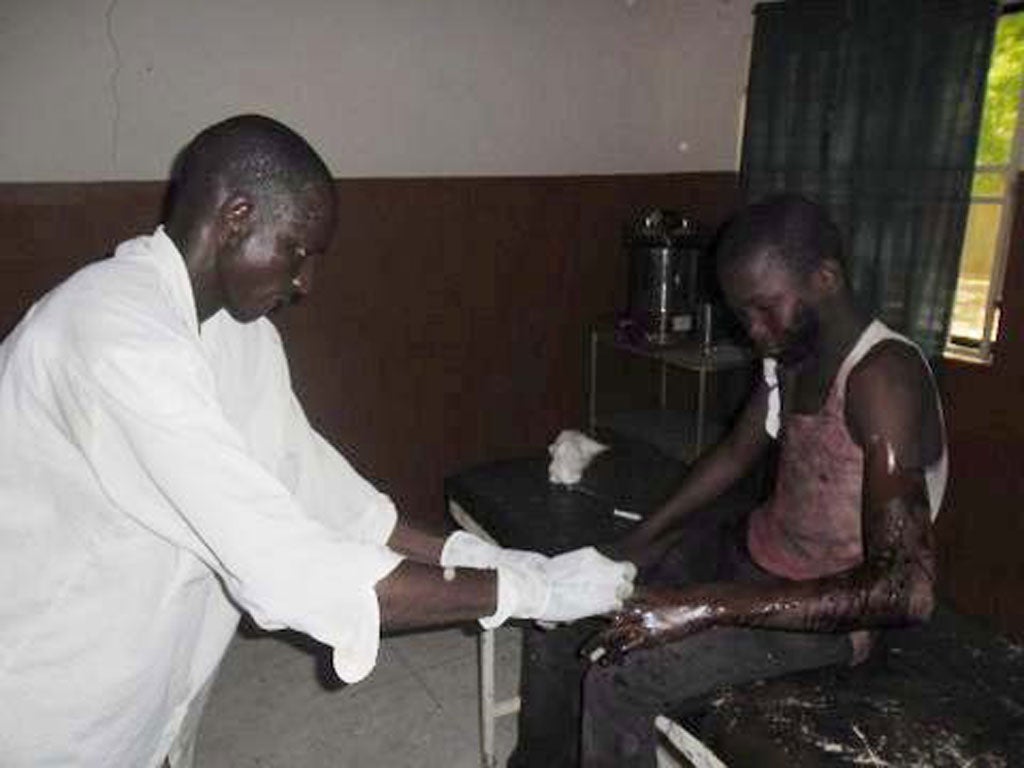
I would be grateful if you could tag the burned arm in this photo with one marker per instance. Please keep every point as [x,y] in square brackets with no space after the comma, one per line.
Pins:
[892,414]
[892,586]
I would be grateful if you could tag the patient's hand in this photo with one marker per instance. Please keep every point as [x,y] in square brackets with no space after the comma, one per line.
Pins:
[653,616]
[636,548]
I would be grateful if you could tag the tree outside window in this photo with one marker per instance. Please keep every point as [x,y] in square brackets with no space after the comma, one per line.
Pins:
[975,321]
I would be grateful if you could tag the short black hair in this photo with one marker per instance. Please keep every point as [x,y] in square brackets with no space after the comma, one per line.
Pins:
[251,154]
[788,227]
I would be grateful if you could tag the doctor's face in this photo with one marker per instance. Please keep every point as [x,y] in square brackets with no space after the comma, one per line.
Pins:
[777,307]
[273,265]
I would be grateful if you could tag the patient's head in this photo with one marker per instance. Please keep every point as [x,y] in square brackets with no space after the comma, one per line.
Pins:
[780,269]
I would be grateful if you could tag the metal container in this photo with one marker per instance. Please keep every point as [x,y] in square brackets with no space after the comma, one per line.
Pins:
[664,251]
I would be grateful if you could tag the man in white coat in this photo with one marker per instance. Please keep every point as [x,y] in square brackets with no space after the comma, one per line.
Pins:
[158,476]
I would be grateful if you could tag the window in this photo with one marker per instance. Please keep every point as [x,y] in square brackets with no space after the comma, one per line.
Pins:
[975,322]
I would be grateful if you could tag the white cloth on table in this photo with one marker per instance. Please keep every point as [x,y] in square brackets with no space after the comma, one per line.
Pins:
[152,477]
[571,453]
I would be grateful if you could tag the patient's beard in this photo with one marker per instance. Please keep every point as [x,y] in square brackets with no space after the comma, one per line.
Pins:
[802,337]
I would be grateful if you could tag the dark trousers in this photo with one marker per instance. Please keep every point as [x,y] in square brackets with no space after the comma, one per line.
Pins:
[614,707]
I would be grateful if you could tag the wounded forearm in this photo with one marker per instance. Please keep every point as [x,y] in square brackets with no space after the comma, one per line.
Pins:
[418,595]
[895,584]
[862,599]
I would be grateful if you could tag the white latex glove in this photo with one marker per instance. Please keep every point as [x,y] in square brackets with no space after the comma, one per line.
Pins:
[565,588]
[464,550]
[523,593]
[570,454]
[585,583]
[523,584]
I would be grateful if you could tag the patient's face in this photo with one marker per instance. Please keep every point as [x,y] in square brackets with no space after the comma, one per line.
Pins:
[777,307]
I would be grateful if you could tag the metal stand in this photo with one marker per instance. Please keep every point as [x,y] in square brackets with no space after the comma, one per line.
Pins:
[692,357]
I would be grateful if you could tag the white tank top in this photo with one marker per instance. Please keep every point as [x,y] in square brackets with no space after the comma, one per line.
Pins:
[937,473]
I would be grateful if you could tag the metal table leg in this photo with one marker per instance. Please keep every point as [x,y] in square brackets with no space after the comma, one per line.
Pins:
[490,709]
[486,644]
[592,410]
[702,393]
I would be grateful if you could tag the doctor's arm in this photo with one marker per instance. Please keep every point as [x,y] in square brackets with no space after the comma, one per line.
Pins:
[415,544]
[418,595]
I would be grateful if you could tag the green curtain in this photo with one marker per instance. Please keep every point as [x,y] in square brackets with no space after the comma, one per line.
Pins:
[872,108]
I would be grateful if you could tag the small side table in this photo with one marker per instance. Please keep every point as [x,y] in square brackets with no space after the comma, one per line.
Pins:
[690,356]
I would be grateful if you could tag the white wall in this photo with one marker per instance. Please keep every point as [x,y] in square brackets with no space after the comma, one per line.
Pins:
[111,89]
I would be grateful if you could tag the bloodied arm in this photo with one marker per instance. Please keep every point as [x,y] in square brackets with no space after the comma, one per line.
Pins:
[892,413]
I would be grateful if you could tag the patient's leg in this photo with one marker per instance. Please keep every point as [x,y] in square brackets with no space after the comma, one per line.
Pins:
[552,671]
[550,688]
[621,702]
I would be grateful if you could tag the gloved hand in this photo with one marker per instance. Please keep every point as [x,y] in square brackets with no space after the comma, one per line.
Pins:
[585,583]
[523,585]
[548,589]
[464,550]
[523,593]
[568,587]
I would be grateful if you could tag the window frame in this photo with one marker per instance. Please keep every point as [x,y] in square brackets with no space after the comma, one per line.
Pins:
[961,348]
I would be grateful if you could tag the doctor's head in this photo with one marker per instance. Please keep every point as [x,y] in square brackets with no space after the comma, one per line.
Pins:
[779,264]
[251,206]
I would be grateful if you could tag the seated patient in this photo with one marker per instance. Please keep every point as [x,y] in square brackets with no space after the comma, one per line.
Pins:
[843,546]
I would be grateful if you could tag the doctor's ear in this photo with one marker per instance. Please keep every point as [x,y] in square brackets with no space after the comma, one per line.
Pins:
[235,216]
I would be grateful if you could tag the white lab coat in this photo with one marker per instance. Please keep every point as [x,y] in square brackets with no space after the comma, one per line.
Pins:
[145,468]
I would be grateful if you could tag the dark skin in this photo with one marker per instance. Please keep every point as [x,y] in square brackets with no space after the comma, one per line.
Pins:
[416,594]
[890,413]
[251,263]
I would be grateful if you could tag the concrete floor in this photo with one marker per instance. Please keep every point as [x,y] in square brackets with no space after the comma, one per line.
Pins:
[276,705]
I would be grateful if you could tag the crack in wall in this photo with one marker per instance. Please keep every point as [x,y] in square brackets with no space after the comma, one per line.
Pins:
[115,99]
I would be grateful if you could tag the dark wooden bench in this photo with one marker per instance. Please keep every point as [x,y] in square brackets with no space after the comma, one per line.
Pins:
[946,693]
